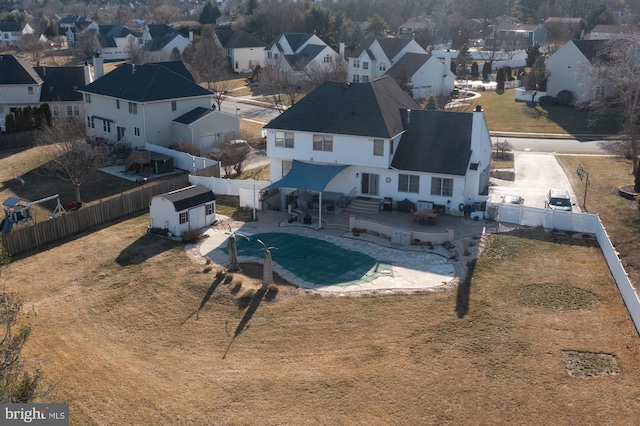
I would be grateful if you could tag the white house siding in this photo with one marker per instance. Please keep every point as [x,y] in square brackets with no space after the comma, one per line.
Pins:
[153,119]
[429,79]
[378,53]
[570,70]
[353,150]
[209,130]
[247,58]
[17,96]
[163,215]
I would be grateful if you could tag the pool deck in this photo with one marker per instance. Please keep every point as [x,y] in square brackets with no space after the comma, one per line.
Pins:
[414,267]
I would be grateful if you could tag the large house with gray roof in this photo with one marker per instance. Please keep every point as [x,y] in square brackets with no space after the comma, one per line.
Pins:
[301,54]
[385,144]
[158,103]
[425,73]
[376,55]
[245,52]
[11,32]
[572,68]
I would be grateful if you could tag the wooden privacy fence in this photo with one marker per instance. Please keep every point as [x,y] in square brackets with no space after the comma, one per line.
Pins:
[74,222]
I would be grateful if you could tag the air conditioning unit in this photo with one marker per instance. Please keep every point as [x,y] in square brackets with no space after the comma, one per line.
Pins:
[424,205]
[401,237]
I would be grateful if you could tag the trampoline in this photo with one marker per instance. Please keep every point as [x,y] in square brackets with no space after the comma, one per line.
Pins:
[315,261]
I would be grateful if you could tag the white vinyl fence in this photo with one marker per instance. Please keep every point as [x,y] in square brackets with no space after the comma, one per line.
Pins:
[239,188]
[576,222]
[182,160]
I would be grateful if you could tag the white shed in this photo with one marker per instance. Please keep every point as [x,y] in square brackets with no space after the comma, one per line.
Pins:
[193,207]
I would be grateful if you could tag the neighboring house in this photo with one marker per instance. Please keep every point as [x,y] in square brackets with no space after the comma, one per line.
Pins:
[571,68]
[205,127]
[71,26]
[613,32]
[138,103]
[116,41]
[185,209]
[414,25]
[376,55]
[163,47]
[20,86]
[12,32]
[560,29]
[514,36]
[387,146]
[245,52]
[301,54]
[425,73]
[61,89]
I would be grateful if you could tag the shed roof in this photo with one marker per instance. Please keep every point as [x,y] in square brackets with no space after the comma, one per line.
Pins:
[191,196]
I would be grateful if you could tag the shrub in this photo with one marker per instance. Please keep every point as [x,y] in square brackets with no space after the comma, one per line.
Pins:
[272,288]
[237,284]
[207,260]
[547,101]
[565,97]
[191,237]
[207,269]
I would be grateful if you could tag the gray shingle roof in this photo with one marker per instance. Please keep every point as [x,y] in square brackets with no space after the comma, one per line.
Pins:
[12,27]
[305,56]
[192,196]
[15,71]
[591,49]
[61,83]
[193,115]
[148,82]
[435,142]
[410,63]
[359,109]
[390,46]
[295,40]
[238,39]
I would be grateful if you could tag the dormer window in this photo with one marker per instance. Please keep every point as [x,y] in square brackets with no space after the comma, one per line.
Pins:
[382,66]
[30,90]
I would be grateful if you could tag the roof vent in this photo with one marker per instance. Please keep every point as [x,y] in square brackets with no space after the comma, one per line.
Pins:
[478,108]
[133,69]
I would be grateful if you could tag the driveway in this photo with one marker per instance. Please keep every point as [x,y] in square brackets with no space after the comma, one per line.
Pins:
[535,174]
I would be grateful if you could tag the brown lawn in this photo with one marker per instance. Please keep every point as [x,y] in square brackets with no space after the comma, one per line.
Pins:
[131,331]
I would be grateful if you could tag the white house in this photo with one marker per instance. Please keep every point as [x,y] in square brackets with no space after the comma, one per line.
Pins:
[425,73]
[376,55]
[300,53]
[384,145]
[20,86]
[139,103]
[571,68]
[245,52]
[185,209]
[205,127]
[12,32]
[71,26]
[116,41]
[160,40]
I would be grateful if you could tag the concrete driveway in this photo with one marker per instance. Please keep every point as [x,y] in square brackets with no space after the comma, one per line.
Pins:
[535,174]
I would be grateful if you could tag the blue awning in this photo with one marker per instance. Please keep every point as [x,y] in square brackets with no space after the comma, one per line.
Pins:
[312,177]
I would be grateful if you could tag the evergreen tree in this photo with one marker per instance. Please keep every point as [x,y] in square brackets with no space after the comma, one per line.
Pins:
[432,102]
[474,70]
[500,79]
[486,70]
[209,14]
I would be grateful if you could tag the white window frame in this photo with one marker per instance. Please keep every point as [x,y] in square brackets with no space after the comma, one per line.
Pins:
[323,143]
[285,139]
[184,217]
[409,183]
[442,186]
[378,147]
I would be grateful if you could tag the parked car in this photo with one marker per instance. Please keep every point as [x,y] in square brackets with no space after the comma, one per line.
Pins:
[512,199]
[558,199]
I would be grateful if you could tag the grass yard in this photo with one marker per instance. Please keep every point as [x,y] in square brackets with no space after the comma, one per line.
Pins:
[504,114]
[620,216]
[131,331]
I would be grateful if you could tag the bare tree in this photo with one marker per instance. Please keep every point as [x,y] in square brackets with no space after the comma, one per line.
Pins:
[34,47]
[137,55]
[87,45]
[68,156]
[166,14]
[615,76]
[207,61]
[318,73]
[232,155]
[279,82]
[17,383]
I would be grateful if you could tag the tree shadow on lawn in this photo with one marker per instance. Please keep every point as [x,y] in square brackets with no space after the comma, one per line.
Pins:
[145,247]
[214,285]
[244,323]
